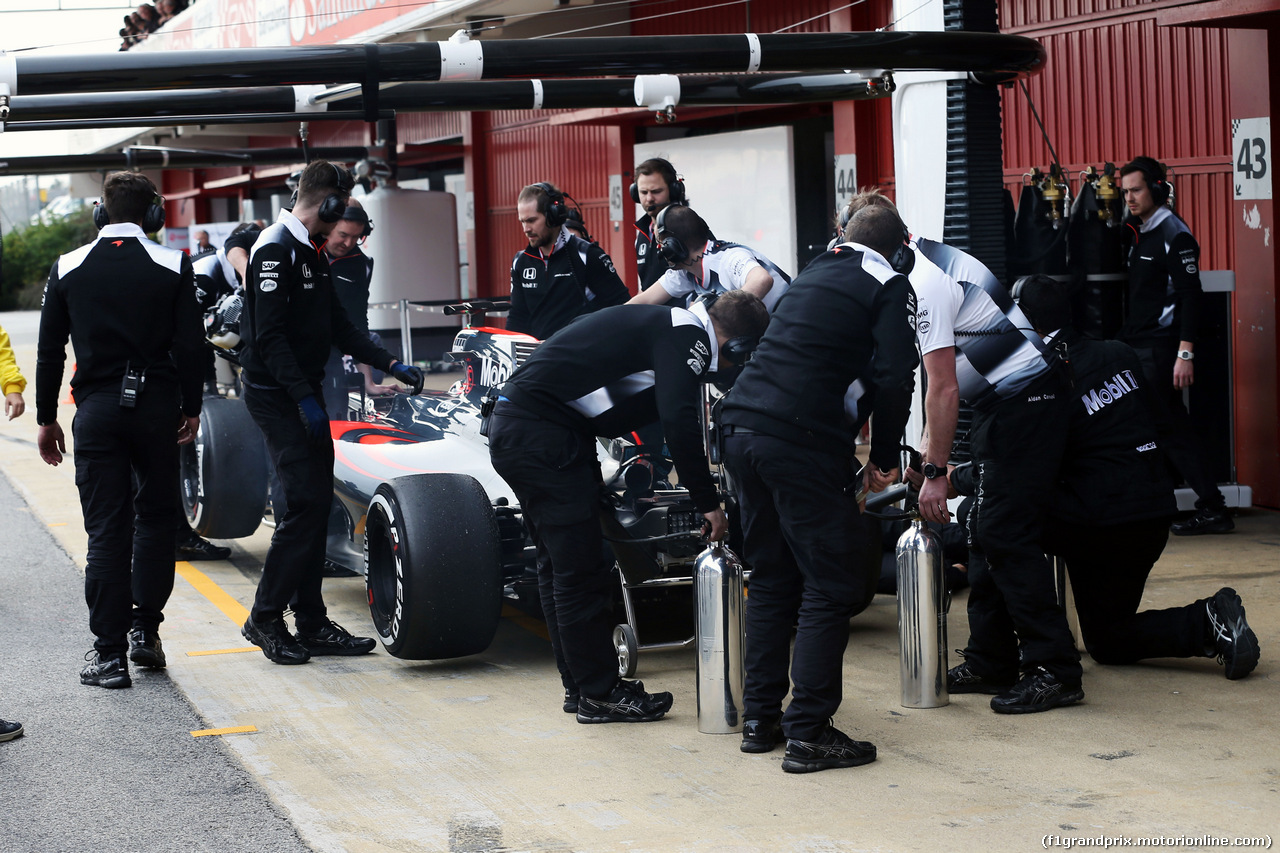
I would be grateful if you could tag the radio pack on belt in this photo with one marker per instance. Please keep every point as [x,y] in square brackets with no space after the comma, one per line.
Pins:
[131,387]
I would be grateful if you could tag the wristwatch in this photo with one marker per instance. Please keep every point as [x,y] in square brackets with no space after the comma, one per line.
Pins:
[1186,354]
[933,472]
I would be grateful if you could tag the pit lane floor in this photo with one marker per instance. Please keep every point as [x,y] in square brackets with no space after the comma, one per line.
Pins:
[377,754]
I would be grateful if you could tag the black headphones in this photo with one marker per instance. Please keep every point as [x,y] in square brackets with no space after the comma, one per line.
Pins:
[335,203]
[1153,173]
[903,259]
[152,220]
[675,187]
[739,349]
[556,211]
[670,249]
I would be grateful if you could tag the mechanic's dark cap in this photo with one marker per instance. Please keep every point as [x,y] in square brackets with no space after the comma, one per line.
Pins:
[574,220]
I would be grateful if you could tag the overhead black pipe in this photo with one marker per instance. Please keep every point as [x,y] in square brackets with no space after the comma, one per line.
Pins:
[987,53]
[188,120]
[169,158]
[276,103]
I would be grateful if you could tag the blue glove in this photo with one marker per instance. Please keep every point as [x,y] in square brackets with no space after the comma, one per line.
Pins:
[313,417]
[409,375]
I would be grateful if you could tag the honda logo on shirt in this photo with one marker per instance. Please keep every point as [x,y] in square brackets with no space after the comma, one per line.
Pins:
[530,274]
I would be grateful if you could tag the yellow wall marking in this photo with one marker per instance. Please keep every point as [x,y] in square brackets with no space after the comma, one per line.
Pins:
[234,730]
[235,611]
[224,651]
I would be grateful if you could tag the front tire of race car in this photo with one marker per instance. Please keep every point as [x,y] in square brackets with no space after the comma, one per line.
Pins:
[224,472]
[433,567]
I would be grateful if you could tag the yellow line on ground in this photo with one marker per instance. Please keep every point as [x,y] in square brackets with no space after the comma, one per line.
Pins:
[533,626]
[224,651]
[234,730]
[57,524]
[235,611]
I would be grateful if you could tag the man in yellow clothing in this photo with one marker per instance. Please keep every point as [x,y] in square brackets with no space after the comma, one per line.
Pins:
[12,383]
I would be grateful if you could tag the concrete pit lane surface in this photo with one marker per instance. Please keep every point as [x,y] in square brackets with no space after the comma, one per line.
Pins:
[374,754]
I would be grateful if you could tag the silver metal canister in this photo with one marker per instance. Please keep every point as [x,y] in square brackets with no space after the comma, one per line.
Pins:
[922,618]
[720,609]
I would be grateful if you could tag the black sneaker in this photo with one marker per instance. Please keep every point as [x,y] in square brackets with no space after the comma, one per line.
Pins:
[109,672]
[145,648]
[1233,641]
[1205,521]
[1039,690]
[832,749]
[962,679]
[761,735]
[199,548]
[332,639]
[277,644]
[571,698]
[628,703]
[9,731]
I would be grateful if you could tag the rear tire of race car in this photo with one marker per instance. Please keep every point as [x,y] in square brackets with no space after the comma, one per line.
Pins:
[433,566]
[224,472]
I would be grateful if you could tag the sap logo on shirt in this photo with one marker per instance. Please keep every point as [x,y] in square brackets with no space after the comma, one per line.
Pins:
[270,265]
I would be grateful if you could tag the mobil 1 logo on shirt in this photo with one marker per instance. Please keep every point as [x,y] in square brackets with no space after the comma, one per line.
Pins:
[1251,153]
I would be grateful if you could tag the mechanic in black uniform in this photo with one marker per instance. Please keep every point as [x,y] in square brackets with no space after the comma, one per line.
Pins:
[129,308]
[606,374]
[1112,506]
[215,278]
[1162,324]
[655,188]
[790,451]
[558,275]
[351,270]
[291,318]
[978,347]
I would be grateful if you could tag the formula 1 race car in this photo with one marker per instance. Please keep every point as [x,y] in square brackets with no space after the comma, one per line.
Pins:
[420,512]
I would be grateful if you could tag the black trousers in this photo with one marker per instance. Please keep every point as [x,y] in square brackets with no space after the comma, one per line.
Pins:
[1108,568]
[554,473]
[1174,430]
[810,567]
[1018,446]
[294,568]
[126,464]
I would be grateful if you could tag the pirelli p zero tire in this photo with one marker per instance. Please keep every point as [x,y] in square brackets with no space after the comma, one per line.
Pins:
[433,566]
[224,472]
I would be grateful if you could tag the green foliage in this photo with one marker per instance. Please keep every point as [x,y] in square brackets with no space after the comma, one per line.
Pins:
[29,254]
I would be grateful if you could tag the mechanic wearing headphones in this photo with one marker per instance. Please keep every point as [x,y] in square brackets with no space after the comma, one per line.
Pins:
[1162,325]
[789,449]
[558,275]
[1112,507]
[700,264]
[215,278]
[127,305]
[351,270]
[655,188]
[605,375]
[978,346]
[291,318]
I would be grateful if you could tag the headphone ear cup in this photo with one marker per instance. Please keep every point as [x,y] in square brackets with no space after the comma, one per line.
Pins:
[557,212]
[635,193]
[673,251]
[677,191]
[153,219]
[101,219]
[332,208]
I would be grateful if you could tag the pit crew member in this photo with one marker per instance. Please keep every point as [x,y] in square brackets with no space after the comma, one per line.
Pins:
[790,450]
[291,319]
[605,375]
[656,186]
[558,276]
